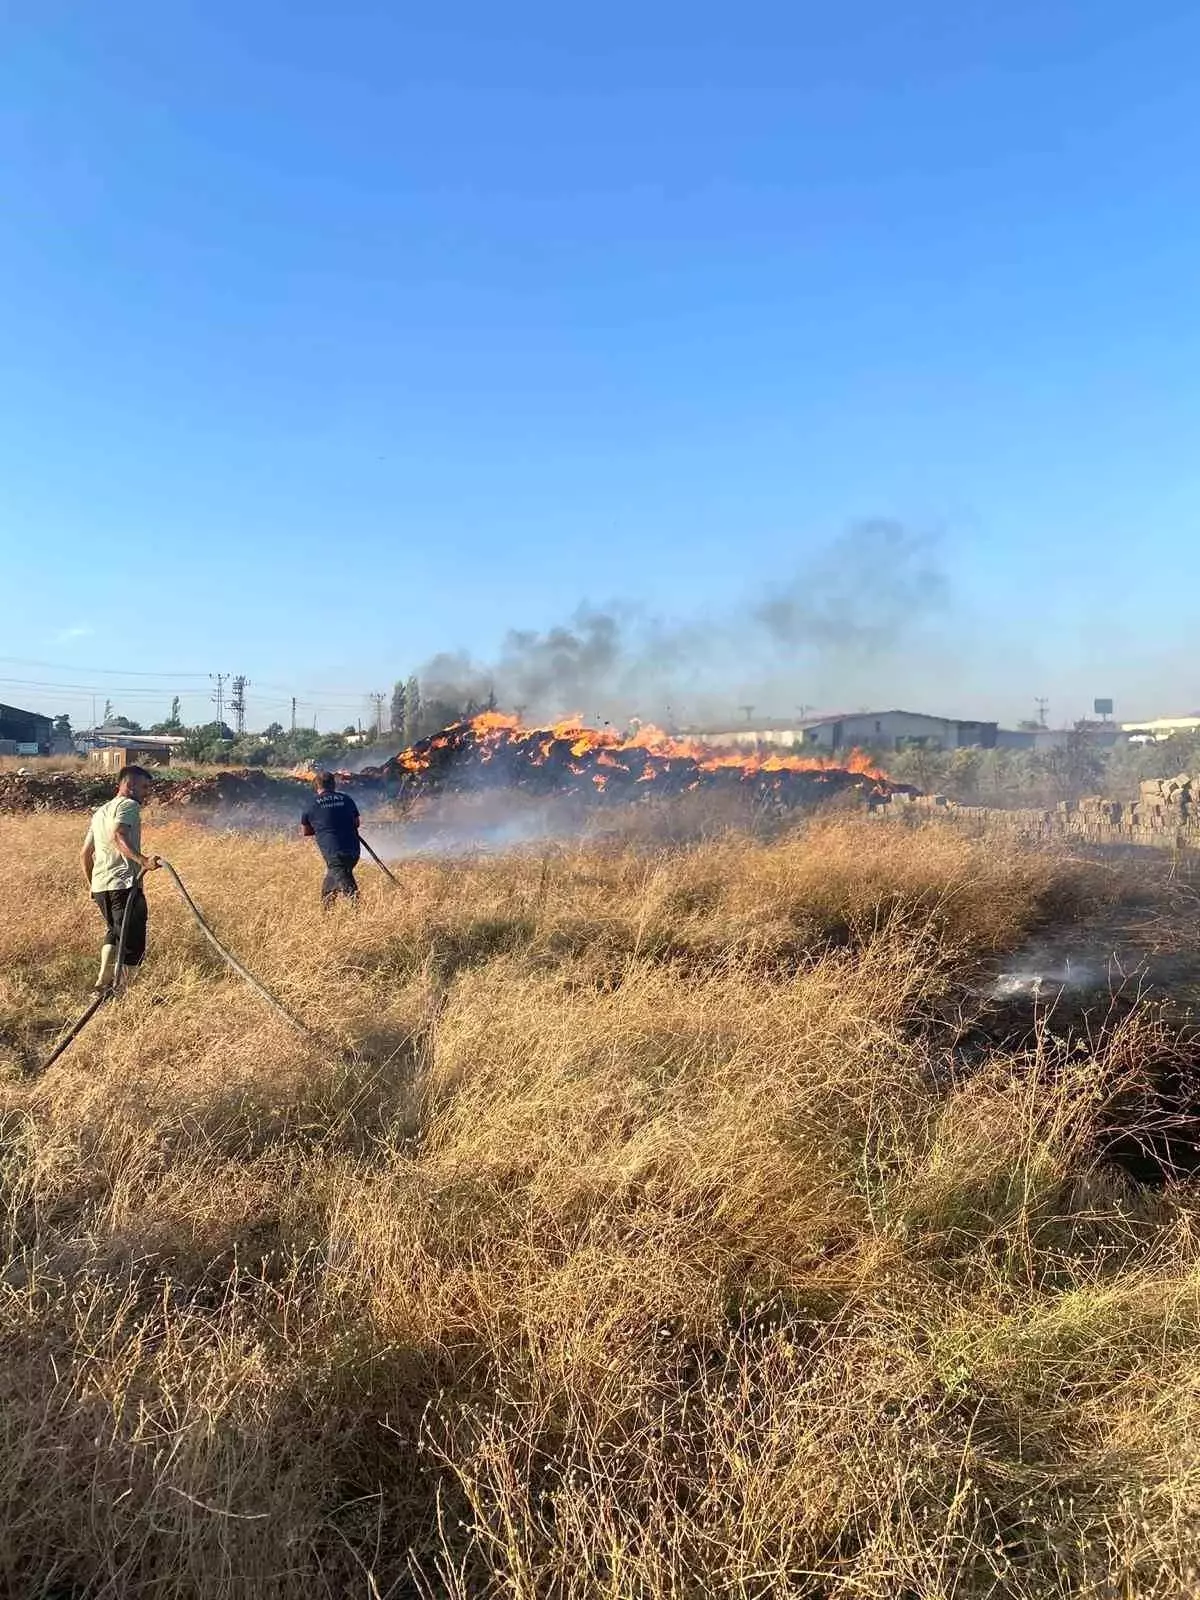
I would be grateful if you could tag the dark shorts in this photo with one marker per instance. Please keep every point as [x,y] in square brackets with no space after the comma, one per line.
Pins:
[339,877]
[111,904]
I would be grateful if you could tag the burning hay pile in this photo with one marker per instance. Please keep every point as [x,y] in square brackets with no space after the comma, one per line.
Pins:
[494,752]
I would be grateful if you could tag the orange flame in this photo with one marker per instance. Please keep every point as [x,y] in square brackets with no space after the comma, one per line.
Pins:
[494,729]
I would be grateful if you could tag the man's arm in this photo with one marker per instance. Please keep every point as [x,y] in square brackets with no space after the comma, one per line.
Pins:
[306,827]
[87,857]
[121,840]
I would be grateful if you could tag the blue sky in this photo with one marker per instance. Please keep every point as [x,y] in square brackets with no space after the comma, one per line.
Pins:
[332,337]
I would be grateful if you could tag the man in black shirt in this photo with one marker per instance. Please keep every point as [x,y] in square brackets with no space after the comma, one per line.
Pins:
[332,820]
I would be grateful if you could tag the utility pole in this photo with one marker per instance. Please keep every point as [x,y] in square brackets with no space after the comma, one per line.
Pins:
[237,703]
[1042,704]
[749,710]
[293,715]
[377,701]
[219,694]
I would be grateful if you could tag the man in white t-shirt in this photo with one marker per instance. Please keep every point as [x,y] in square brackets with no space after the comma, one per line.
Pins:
[113,862]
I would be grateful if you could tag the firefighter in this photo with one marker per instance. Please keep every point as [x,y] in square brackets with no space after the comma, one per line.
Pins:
[332,820]
[113,864]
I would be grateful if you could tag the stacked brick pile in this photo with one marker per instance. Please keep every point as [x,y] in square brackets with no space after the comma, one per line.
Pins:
[1165,801]
[1165,813]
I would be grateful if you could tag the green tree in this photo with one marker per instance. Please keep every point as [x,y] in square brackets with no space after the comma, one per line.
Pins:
[212,741]
[254,752]
[923,767]
[306,744]
[1073,769]
[439,714]
[62,727]
[172,724]
[1131,764]
[398,711]
[1007,777]
[963,772]
[412,711]
[473,707]
[194,746]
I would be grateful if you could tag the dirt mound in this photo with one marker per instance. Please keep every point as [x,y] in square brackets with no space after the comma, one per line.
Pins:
[77,791]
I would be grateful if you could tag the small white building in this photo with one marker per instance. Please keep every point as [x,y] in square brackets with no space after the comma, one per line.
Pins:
[113,751]
[1160,728]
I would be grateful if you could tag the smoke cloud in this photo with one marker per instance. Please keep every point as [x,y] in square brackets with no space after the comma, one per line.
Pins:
[856,605]
[567,665]
[452,678]
[862,596]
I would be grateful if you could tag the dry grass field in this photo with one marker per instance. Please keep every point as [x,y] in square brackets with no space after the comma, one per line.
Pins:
[626,1231]
[41,764]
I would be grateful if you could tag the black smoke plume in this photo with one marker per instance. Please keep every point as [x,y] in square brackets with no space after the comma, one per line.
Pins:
[851,607]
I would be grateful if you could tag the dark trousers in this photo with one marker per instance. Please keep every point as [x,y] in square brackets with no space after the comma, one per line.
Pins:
[111,904]
[339,879]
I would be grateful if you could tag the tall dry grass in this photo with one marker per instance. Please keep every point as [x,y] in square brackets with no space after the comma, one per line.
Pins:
[43,764]
[626,1233]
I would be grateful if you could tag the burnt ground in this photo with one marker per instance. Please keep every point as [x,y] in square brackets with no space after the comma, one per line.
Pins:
[1122,982]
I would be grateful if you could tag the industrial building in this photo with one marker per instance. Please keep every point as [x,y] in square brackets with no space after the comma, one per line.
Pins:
[1100,735]
[875,730]
[24,733]
[897,730]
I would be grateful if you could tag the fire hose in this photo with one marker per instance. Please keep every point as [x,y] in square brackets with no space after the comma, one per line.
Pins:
[377,861]
[104,995]
[223,952]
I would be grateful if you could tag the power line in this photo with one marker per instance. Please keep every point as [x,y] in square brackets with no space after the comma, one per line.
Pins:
[347,697]
[342,696]
[78,666]
[125,691]
[142,697]
[91,688]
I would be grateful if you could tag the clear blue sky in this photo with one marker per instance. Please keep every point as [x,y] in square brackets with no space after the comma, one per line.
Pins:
[332,336]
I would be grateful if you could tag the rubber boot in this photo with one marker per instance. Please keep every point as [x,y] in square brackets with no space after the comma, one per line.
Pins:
[108,962]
